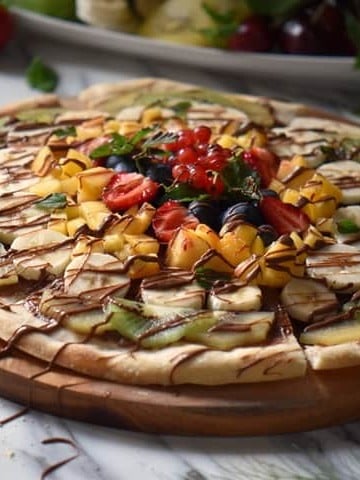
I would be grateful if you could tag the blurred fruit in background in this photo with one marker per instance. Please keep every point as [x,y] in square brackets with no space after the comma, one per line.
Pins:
[6,27]
[55,8]
[124,15]
[188,22]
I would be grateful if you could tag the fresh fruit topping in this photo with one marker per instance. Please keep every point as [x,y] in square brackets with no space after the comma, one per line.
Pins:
[169,217]
[206,213]
[264,162]
[128,189]
[284,217]
[244,212]
[252,35]
[7,26]
[121,163]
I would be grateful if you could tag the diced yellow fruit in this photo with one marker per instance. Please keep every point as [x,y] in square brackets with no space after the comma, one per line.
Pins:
[142,244]
[46,186]
[92,183]
[112,126]
[72,211]
[151,115]
[277,186]
[320,188]
[233,248]
[207,234]
[128,128]
[87,245]
[314,239]
[320,209]
[257,246]
[124,253]
[134,224]
[246,232]
[227,141]
[132,210]
[298,241]
[278,263]
[74,163]
[297,177]
[70,185]
[94,213]
[44,162]
[289,195]
[58,223]
[84,133]
[185,249]
[326,226]
[217,262]
[113,243]
[248,270]
[141,268]
[252,138]
[74,225]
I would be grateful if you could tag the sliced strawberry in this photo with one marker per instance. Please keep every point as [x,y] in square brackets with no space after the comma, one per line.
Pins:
[169,217]
[90,145]
[264,162]
[284,217]
[128,189]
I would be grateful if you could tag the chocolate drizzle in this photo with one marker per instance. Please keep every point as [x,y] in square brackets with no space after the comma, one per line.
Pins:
[56,466]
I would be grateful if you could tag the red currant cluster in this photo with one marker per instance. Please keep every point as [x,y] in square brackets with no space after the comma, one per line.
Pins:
[197,162]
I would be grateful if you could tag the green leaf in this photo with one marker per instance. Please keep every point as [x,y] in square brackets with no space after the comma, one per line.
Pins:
[118,145]
[65,132]
[206,277]
[183,192]
[40,76]
[52,202]
[160,137]
[347,226]
[181,108]
[274,8]
[140,135]
[216,16]
[240,180]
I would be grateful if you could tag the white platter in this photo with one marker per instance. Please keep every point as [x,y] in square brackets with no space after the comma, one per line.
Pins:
[334,71]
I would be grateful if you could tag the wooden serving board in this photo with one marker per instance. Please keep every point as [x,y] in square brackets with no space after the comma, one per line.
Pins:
[317,400]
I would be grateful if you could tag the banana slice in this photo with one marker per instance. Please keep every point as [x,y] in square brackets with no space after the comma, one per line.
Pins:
[338,265]
[345,174]
[347,221]
[308,300]
[96,275]
[242,299]
[113,14]
[41,252]
[189,296]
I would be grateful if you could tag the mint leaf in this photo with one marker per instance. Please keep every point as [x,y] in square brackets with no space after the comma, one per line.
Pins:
[240,180]
[181,108]
[160,137]
[65,132]
[40,76]
[140,135]
[118,145]
[52,202]
[206,277]
[183,192]
[225,24]
[347,226]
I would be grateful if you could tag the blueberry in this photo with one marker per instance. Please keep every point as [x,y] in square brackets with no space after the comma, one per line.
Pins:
[206,213]
[121,163]
[268,234]
[161,173]
[267,192]
[248,212]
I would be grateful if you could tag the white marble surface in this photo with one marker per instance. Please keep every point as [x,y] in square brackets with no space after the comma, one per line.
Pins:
[106,454]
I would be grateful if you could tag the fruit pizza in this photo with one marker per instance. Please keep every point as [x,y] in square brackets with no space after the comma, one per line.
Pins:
[155,232]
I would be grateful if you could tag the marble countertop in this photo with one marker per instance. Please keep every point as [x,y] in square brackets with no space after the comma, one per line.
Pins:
[107,454]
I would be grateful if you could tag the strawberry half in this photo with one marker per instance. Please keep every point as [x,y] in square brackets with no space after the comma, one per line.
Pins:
[264,162]
[284,217]
[169,217]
